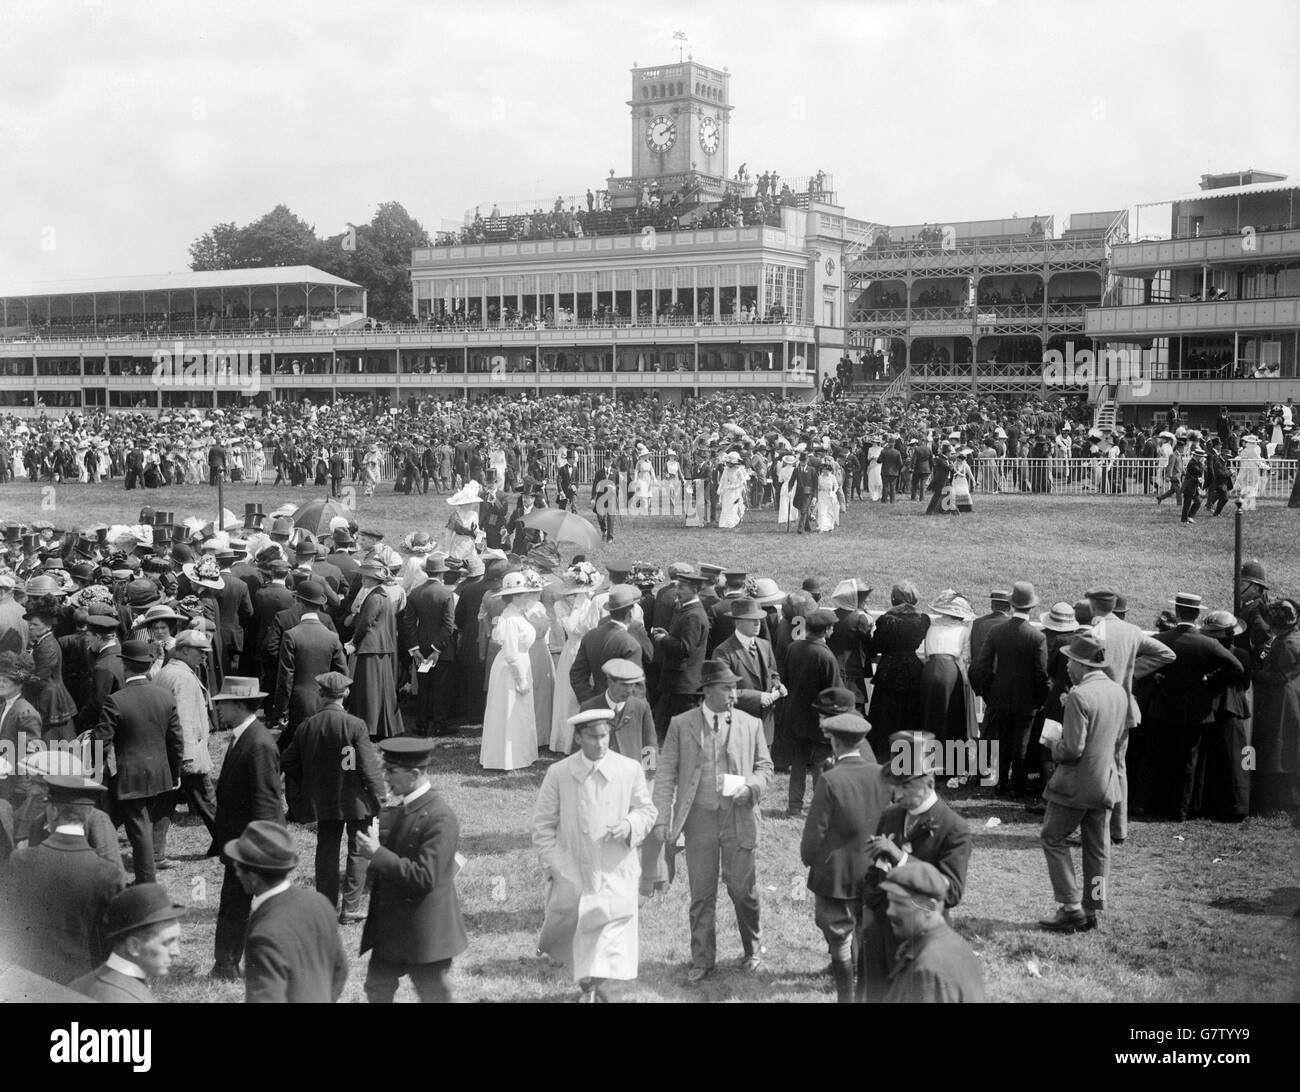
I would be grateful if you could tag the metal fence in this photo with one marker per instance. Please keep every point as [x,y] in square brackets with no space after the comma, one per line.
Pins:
[1064,477]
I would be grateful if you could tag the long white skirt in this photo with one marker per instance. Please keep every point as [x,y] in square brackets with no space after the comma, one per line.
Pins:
[509,721]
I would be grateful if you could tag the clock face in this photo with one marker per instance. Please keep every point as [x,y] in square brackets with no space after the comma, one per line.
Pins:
[661,133]
[710,137]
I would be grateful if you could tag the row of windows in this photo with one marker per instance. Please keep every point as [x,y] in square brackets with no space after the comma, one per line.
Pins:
[668,90]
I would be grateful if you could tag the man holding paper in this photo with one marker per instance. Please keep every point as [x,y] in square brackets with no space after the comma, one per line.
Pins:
[1085,786]
[592,814]
[713,769]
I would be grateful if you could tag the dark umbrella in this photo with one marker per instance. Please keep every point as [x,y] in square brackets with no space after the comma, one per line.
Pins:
[315,515]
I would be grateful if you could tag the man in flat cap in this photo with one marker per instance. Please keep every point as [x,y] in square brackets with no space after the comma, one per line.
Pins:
[918,825]
[292,951]
[413,926]
[847,804]
[932,964]
[342,787]
[592,814]
[53,895]
[143,926]
[1084,786]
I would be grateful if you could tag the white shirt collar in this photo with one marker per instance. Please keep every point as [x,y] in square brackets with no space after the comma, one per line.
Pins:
[115,962]
[270,893]
[238,730]
[617,706]
[309,615]
[74,829]
[925,805]
[415,793]
[592,767]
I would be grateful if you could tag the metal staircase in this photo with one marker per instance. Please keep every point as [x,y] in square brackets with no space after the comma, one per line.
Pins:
[1106,414]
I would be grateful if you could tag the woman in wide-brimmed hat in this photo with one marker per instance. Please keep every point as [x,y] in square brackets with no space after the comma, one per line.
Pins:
[574,617]
[462,525]
[1221,788]
[510,718]
[946,699]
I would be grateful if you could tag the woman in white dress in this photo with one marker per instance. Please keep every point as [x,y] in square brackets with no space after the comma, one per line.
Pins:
[963,480]
[784,477]
[462,524]
[1251,468]
[370,471]
[576,616]
[645,481]
[875,486]
[541,662]
[830,498]
[731,491]
[510,718]
[947,702]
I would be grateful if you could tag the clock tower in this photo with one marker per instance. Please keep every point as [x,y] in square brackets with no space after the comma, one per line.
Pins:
[680,120]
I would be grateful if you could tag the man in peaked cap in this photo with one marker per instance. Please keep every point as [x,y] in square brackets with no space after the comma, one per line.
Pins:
[54,896]
[932,963]
[847,804]
[1084,787]
[413,927]
[143,926]
[332,756]
[918,825]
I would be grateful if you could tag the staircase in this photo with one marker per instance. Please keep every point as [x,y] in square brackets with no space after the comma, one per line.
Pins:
[899,387]
[1106,414]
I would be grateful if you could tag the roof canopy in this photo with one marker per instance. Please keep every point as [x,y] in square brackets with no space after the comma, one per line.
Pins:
[179,282]
[1225,191]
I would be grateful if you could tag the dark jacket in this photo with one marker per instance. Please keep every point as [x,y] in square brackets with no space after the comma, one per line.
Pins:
[681,653]
[758,673]
[937,967]
[307,650]
[810,667]
[249,785]
[939,837]
[428,621]
[236,611]
[414,914]
[608,641]
[110,987]
[140,722]
[332,754]
[292,952]
[847,804]
[1184,694]
[631,731]
[105,678]
[850,641]
[1011,672]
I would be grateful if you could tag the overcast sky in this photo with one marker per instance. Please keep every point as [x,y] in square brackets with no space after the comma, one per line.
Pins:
[129,128]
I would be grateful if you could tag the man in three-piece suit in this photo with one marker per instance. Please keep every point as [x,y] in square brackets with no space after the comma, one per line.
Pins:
[679,650]
[427,630]
[713,770]
[1181,714]
[293,951]
[920,826]
[751,658]
[846,808]
[54,895]
[613,639]
[413,927]
[248,789]
[1084,786]
[1130,655]
[1011,676]
[332,758]
[143,926]
[141,725]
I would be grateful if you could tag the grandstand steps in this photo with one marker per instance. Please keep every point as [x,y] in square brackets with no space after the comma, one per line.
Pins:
[1106,413]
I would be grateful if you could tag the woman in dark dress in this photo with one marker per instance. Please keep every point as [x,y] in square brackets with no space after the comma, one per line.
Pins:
[947,702]
[1277,712]
[45,690]
[1221,788]
[895,698]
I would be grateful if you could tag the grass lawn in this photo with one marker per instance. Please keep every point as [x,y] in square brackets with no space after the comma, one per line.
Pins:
[1200,911]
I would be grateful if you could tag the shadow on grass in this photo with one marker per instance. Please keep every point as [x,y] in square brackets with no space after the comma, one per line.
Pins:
[529,780]
[985,928]
[479,845]
[1282,902]
[1014,841]
[480,922]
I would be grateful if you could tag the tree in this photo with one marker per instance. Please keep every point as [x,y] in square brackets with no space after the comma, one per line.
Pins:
[278,238]
[215,249]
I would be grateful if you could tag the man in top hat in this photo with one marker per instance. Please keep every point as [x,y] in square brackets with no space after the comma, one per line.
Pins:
[613,639]
[592,813]
[933,964]
[332,756]
[143,926]
[54,894]
[750,657]
[1011,676]
[413,926]
[106,675]
[1192,482]
[847,804]
[247,789]
[1130,655]
[713,770]
[850,640]
[293,953]
[918,825]
[180,676]
[811,667]
[679,650]
[427,630]
[1180,716]
[1084,786]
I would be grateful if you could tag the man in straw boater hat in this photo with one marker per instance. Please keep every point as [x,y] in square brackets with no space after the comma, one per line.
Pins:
[847,804]
[341,789]
[413,924]
[1085,786]
[917,826]
[143,926]
[54,895]
[293,953]
[592,872]
[713,770]
[247,790]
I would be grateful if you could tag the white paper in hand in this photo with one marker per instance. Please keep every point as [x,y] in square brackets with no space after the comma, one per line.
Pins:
[732,784]
[1051,731]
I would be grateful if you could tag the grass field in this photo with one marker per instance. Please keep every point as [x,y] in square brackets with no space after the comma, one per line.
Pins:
[1200,911]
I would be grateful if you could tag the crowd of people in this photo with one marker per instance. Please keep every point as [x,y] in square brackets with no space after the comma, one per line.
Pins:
[669,696]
